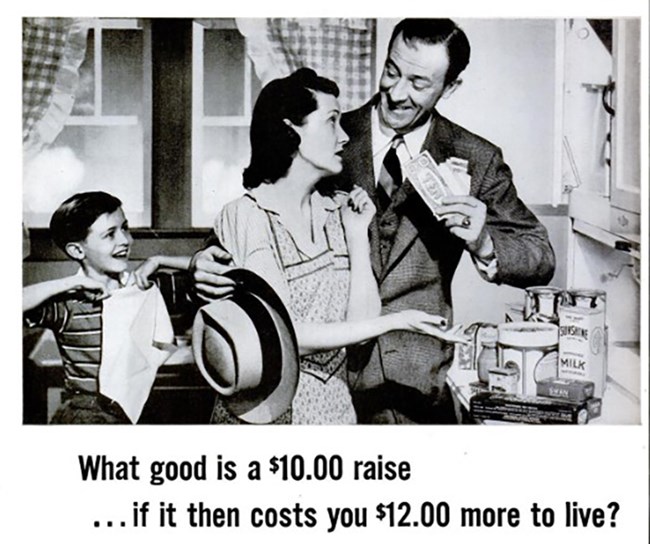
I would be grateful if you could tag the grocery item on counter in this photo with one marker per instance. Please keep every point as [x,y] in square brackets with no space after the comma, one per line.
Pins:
[542,303]
[534,410]
[574,390]
[530,348]
[503,380]
[551,364]
[488,358]
[583,338]
[467,354]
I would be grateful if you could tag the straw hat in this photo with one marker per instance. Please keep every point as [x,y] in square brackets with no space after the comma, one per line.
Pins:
[245,346]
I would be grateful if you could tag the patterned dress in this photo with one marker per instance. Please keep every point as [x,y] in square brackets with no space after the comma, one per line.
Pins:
[313,285]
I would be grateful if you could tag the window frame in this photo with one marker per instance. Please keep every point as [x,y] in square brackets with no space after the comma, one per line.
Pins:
[200,121]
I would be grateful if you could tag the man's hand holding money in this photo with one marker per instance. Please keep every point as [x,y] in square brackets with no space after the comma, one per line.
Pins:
[445,189]
[465,217]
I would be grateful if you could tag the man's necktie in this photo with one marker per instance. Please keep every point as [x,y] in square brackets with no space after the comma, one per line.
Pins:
[390,177]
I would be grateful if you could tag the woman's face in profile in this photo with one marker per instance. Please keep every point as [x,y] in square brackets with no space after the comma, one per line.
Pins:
[321,137]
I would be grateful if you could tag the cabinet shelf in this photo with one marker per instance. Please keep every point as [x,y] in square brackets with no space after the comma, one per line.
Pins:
[627,242]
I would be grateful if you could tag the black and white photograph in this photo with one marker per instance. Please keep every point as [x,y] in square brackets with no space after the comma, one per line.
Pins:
[398,256]
[450,221]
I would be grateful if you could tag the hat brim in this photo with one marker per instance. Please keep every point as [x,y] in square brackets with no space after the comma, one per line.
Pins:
[272,397]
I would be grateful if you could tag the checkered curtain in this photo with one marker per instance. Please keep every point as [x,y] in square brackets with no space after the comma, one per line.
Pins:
[53,49]
[340,49]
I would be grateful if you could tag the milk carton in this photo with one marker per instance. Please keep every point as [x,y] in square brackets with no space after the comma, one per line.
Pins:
[583,338]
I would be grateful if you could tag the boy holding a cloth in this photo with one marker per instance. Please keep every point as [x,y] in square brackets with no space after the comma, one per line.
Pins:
[111,326]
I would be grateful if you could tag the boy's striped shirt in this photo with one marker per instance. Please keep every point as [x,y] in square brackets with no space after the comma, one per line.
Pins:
[77,327]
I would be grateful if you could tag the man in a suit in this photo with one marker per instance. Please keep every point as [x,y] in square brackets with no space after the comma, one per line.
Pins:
[400,378]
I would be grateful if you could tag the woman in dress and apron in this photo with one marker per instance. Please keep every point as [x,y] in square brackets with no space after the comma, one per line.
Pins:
[312,249]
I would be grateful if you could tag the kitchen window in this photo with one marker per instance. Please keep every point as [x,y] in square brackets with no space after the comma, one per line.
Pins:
[161,119]
[104,144]
[225,88]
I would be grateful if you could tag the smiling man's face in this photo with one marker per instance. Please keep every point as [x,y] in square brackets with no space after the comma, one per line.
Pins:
[412,82]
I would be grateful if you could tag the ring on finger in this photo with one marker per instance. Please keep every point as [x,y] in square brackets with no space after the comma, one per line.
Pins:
[466,222]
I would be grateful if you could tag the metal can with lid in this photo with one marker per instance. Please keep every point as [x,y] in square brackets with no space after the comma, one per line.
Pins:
[532,349]
[586,298]
[542,303]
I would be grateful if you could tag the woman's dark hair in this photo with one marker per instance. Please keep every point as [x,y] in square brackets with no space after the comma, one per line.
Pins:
[273,142]
[435,31]
[73,218]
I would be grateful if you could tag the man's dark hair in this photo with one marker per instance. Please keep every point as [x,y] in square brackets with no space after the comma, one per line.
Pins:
[273,142]
[435,31]
[73,218]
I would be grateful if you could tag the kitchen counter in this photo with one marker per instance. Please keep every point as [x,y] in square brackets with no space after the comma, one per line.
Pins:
[180,395]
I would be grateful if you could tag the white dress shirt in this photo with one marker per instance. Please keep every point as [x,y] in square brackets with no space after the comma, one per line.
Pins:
[382,138]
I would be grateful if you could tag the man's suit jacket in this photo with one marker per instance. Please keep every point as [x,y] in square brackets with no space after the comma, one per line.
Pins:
[424,255]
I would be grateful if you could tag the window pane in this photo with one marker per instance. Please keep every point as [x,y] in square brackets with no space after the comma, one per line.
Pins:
[78,161]
[226,152]
[85,101]
[224,57]
[122,73]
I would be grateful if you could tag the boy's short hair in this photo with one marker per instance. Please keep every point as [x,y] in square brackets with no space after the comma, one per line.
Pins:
[73,218]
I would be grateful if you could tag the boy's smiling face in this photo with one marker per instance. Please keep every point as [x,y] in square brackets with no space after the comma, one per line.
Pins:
[107,246]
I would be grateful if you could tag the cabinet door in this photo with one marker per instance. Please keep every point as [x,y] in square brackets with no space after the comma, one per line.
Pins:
[626,175]
[586,120]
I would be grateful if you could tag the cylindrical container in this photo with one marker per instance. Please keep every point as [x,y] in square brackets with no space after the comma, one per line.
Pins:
[586,298]
[532,349]
[487,359]
[542,304]
[583,338]
[503,380]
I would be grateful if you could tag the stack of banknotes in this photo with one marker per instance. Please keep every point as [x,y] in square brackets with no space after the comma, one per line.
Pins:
[434,181]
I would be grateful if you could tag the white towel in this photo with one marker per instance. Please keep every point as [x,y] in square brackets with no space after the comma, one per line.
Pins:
[137,337]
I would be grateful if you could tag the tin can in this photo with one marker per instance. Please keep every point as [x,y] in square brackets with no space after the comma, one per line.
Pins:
[504,380]
[542,303]
[531,349]
[583,338]
[586,298]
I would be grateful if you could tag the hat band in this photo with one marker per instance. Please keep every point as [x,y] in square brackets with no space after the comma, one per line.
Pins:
[269,340]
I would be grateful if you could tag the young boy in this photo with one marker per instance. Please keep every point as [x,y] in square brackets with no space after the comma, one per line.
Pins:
[107,327]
